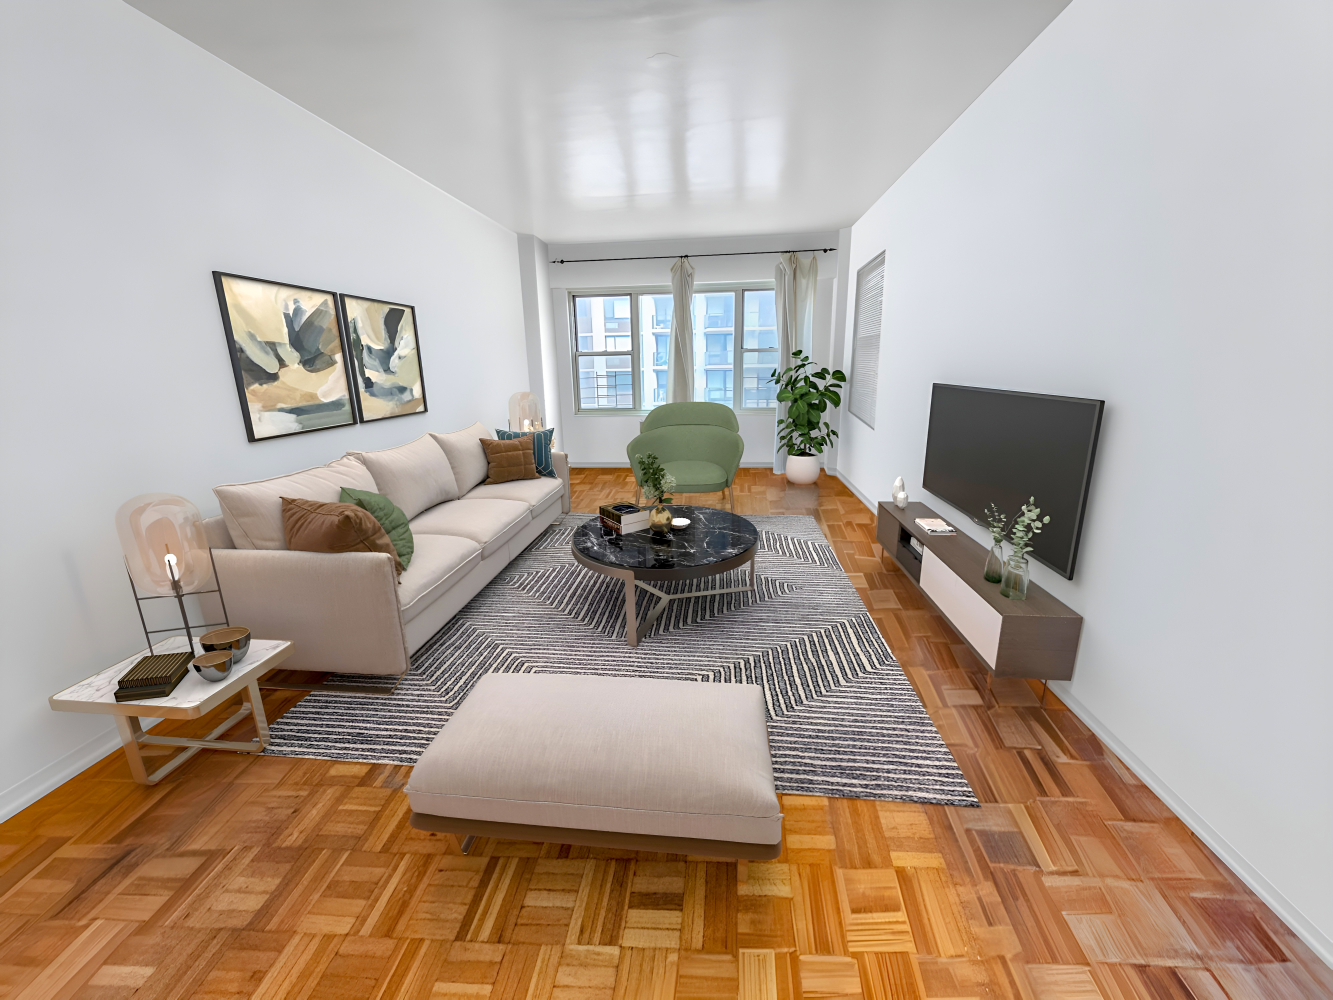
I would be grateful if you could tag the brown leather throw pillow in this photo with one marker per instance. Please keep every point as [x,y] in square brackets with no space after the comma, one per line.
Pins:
[509,460]
[312,526]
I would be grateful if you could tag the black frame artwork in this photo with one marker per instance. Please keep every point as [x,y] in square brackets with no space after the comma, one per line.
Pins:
[250,361]
[356,359]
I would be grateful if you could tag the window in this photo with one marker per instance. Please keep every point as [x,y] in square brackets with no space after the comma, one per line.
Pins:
[605,352]
[622,346]
[866,325]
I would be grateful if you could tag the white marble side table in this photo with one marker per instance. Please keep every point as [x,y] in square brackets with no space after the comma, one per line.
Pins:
[192,698]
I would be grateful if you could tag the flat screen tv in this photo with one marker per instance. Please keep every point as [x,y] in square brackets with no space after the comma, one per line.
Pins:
[989,446]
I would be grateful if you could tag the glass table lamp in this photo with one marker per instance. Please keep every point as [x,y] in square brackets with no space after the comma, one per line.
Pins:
[525,412]
[166,550]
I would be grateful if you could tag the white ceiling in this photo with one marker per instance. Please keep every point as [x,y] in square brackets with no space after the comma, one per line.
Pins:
[584,120]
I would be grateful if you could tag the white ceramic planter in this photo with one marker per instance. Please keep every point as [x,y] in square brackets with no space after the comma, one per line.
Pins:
[802,470]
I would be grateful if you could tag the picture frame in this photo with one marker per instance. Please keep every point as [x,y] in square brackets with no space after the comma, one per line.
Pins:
[384,357]
[288,356]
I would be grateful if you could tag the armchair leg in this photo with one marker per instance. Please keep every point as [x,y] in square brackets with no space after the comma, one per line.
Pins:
[731,497]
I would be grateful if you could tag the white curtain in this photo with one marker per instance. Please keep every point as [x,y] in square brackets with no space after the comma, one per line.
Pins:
[680,357]
[794,282]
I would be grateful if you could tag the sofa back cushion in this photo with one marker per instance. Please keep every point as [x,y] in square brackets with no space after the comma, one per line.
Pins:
[311,526]
[414,476]
[253,511]
[466,455]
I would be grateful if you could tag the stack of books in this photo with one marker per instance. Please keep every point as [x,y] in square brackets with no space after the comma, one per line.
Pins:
[934,526]
[623,518]
[154,676]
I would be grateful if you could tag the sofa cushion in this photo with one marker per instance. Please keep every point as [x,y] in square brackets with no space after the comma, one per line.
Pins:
[314,526]
[414,476]
[466,456]
[390,517]
[253,511]
[489,523]
[507,461]
[631,755]
[440,562]
[536,493]
[541,447]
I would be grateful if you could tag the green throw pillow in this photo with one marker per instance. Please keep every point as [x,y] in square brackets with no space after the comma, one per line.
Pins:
[390,517]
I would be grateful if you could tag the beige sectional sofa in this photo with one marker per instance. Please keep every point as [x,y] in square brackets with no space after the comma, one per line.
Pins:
[348,612]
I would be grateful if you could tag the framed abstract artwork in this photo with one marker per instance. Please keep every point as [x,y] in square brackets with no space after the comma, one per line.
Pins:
[385,357]
[287,355]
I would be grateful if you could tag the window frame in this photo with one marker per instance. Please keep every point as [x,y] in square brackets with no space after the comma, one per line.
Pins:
[736,288]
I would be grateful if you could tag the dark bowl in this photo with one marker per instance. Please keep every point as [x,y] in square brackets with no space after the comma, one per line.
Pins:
[214,666]
[235,637]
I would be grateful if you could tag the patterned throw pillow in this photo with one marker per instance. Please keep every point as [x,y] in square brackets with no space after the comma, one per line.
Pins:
[541,447]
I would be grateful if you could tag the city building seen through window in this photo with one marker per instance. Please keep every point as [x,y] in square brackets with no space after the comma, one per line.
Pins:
[622,342]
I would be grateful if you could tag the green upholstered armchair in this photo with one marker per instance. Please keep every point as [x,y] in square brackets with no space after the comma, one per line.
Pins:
[698,443]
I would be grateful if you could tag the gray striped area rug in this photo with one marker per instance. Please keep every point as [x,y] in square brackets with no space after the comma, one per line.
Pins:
[843,718]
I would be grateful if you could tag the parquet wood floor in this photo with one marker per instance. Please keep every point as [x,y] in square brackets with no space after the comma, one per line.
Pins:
[271,877]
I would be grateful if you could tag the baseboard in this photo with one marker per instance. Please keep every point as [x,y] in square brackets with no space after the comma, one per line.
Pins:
[18,797]
[874,507]
[1319,942]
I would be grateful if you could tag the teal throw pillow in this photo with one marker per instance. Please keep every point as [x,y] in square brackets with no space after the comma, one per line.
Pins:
[390,517]
[541,447]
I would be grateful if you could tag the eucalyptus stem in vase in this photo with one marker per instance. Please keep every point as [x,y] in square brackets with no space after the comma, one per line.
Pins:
[999,524]
[1027,525]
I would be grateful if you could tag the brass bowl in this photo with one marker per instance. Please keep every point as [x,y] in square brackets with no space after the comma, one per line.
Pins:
[214,666]
[236,638]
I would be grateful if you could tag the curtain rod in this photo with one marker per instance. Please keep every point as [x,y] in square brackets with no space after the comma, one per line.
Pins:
[673,256]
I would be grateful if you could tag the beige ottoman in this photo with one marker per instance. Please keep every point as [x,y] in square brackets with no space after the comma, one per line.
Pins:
[674,766]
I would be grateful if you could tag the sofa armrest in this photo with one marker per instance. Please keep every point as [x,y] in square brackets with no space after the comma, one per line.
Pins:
[560,460]
[340,609]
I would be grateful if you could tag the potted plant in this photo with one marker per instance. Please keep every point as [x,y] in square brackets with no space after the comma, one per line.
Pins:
[803,432]
[1014,582]
[657,486]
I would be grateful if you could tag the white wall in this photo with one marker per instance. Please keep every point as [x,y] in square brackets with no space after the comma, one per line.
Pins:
[1139,210]
[599,439]
[132,165]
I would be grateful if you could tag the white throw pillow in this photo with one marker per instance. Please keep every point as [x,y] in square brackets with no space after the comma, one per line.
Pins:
[414,476]
[466,455]
[253,511]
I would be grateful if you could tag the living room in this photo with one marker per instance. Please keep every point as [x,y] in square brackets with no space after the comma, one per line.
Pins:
[1125,203]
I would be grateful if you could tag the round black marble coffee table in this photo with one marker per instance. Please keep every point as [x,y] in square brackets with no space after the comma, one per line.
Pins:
[714,542]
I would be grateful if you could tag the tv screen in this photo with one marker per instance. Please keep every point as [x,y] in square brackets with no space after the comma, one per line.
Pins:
[989,446]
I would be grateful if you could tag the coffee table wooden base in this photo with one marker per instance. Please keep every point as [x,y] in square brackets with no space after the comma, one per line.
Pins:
[633,627]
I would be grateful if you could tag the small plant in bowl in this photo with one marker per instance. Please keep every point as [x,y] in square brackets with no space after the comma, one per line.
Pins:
[657,486]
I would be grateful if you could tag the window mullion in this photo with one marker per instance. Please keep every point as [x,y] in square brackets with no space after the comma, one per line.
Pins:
[636,376]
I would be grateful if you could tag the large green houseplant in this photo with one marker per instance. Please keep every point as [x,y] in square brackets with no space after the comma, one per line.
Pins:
[805,432]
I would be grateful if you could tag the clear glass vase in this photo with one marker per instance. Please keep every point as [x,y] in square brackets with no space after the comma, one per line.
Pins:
[1014,582]
[995,563]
